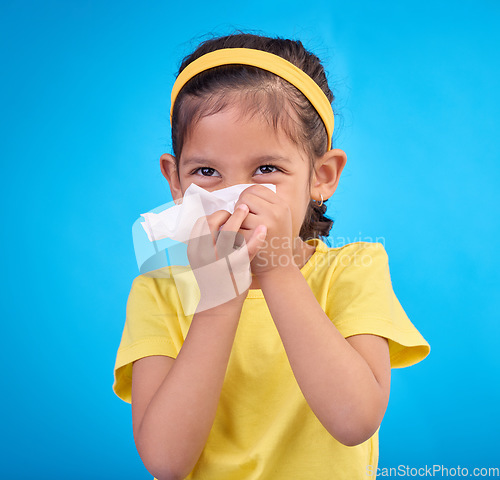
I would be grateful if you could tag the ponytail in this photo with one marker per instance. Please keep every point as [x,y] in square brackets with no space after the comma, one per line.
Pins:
[316,224]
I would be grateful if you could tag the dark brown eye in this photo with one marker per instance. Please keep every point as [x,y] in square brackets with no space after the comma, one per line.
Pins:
[206,171]
[266,168]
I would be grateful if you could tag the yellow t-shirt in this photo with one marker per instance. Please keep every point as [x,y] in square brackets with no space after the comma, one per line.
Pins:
[264,429]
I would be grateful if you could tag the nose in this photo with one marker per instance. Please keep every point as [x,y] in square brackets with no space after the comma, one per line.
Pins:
[238,181]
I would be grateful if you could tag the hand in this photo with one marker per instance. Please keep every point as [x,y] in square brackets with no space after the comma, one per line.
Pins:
[213,239]
[266,208]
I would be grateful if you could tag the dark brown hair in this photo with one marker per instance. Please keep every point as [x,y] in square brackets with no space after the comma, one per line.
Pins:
[259,92]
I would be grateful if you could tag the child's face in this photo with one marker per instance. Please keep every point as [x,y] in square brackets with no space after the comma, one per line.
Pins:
[225,149]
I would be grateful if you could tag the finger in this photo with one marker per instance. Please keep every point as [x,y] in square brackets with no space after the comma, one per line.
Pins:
[259,191]
[251,222]
[201,244]
[239,241]
[213,222]
[216,220]
[240,259]
[203,233]
[236,219]
[259,205]
[200,236]
[257,241]
[200,228]
[195,234]
[229,231]
[209,225]
[225,243]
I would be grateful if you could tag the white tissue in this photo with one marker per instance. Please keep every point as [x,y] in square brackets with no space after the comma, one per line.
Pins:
[178,221]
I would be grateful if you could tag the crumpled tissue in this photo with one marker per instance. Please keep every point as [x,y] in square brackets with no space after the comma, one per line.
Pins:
[177,222]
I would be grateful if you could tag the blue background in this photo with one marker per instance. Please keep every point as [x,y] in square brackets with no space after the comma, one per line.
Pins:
[84,119]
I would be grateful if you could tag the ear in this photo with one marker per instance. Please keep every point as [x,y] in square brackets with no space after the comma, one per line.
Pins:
[169,171]
[327,172]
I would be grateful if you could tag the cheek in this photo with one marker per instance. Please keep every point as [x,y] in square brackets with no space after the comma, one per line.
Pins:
[298,212]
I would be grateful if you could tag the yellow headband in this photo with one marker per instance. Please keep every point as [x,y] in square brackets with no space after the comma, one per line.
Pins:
[267,61]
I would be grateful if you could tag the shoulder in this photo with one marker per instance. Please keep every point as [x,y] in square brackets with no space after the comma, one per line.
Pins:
[347,268]
[161,277]
[352,256]
[357,249]
[162,283]
[362,255]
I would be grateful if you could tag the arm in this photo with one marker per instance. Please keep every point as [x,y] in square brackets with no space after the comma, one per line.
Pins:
[175,408]
[346,382]
[172,421]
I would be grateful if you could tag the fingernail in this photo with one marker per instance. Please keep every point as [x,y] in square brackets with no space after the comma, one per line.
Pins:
[243,206]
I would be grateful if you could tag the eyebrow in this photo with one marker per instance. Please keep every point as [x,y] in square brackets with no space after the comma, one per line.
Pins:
[256,160]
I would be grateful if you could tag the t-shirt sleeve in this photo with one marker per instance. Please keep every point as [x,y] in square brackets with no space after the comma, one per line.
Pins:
[361,300]
[149,330]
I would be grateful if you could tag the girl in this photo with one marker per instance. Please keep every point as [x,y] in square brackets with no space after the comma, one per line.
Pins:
[290,378]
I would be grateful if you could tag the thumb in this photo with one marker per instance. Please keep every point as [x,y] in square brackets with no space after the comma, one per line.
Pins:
[257,241]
